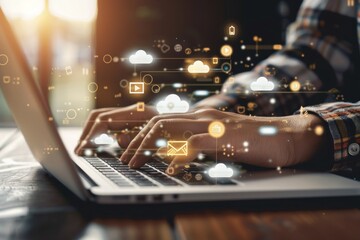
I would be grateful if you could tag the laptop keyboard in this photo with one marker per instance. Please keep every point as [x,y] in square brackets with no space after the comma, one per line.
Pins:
[151,174]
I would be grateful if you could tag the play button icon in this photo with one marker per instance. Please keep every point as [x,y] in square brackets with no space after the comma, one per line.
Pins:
[136,88]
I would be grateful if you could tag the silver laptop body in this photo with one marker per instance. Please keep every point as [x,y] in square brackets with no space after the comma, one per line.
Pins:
[108,181]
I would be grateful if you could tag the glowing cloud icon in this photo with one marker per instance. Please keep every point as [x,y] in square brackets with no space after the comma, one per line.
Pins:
[141,57]
[262,84]
[172,104]
[104,139]
[198,67]
[221,171]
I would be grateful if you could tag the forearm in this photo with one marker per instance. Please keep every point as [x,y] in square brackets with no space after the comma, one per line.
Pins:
[316,55]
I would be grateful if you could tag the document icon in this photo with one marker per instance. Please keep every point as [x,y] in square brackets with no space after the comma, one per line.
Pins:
[177,148]
[136,88]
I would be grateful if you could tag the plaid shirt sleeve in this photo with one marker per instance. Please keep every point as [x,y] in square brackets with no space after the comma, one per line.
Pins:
[318,52]
[343,120]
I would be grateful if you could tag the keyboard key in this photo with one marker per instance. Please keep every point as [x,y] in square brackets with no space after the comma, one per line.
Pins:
[146,184]
[133,175]
[163,179]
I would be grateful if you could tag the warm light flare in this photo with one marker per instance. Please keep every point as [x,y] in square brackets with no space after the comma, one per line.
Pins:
[74,10]
[23,9]
[70,10]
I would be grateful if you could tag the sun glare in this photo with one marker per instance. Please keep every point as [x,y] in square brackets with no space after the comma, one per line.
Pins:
[70,10]
[74,10]
[23,9]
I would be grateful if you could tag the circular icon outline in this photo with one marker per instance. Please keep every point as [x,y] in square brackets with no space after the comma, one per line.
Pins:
[150,76]
[178,47]
[124,81]
[68,114]
[93,90]
[226,64]
[155,86]
[6,59]
[354,149]
[107,56]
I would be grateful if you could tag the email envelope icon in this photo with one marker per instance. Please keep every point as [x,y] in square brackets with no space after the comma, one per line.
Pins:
[177,148]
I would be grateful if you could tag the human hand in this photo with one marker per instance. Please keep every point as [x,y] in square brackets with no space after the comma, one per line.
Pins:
[291,139]
[190,127]
[106,120]
[284,141]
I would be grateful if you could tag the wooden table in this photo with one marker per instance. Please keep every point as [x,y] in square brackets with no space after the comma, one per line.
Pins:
[35,206]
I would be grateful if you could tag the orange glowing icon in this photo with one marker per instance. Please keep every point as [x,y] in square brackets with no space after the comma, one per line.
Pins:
[226,50]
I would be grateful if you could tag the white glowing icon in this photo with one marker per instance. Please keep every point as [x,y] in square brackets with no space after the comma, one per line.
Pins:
[177,85]
[262,84]
[221,171]
[161,143]
[268,130]
[141,57]
[172,104]
[104,139]
[198,67]
[147,153]
[201,93]
[88,152]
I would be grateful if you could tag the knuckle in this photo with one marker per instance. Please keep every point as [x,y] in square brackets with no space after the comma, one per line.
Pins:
[96,111]
[193,140]
[206,111]
[155,119]
[103,118]
[159,123]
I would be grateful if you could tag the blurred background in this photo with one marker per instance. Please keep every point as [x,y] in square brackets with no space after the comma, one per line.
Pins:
[78,49]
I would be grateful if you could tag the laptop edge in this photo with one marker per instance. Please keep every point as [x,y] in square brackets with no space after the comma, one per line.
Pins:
[30,106]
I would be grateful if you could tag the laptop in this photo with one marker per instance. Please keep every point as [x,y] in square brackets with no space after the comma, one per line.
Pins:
[105,180]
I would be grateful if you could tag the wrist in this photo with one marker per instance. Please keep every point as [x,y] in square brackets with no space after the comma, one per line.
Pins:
[296,140]
[311,139]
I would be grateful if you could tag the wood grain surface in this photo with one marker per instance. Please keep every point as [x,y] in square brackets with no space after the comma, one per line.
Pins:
[320,224]
[33,206]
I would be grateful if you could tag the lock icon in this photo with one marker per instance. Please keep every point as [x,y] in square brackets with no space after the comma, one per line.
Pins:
[231,30]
